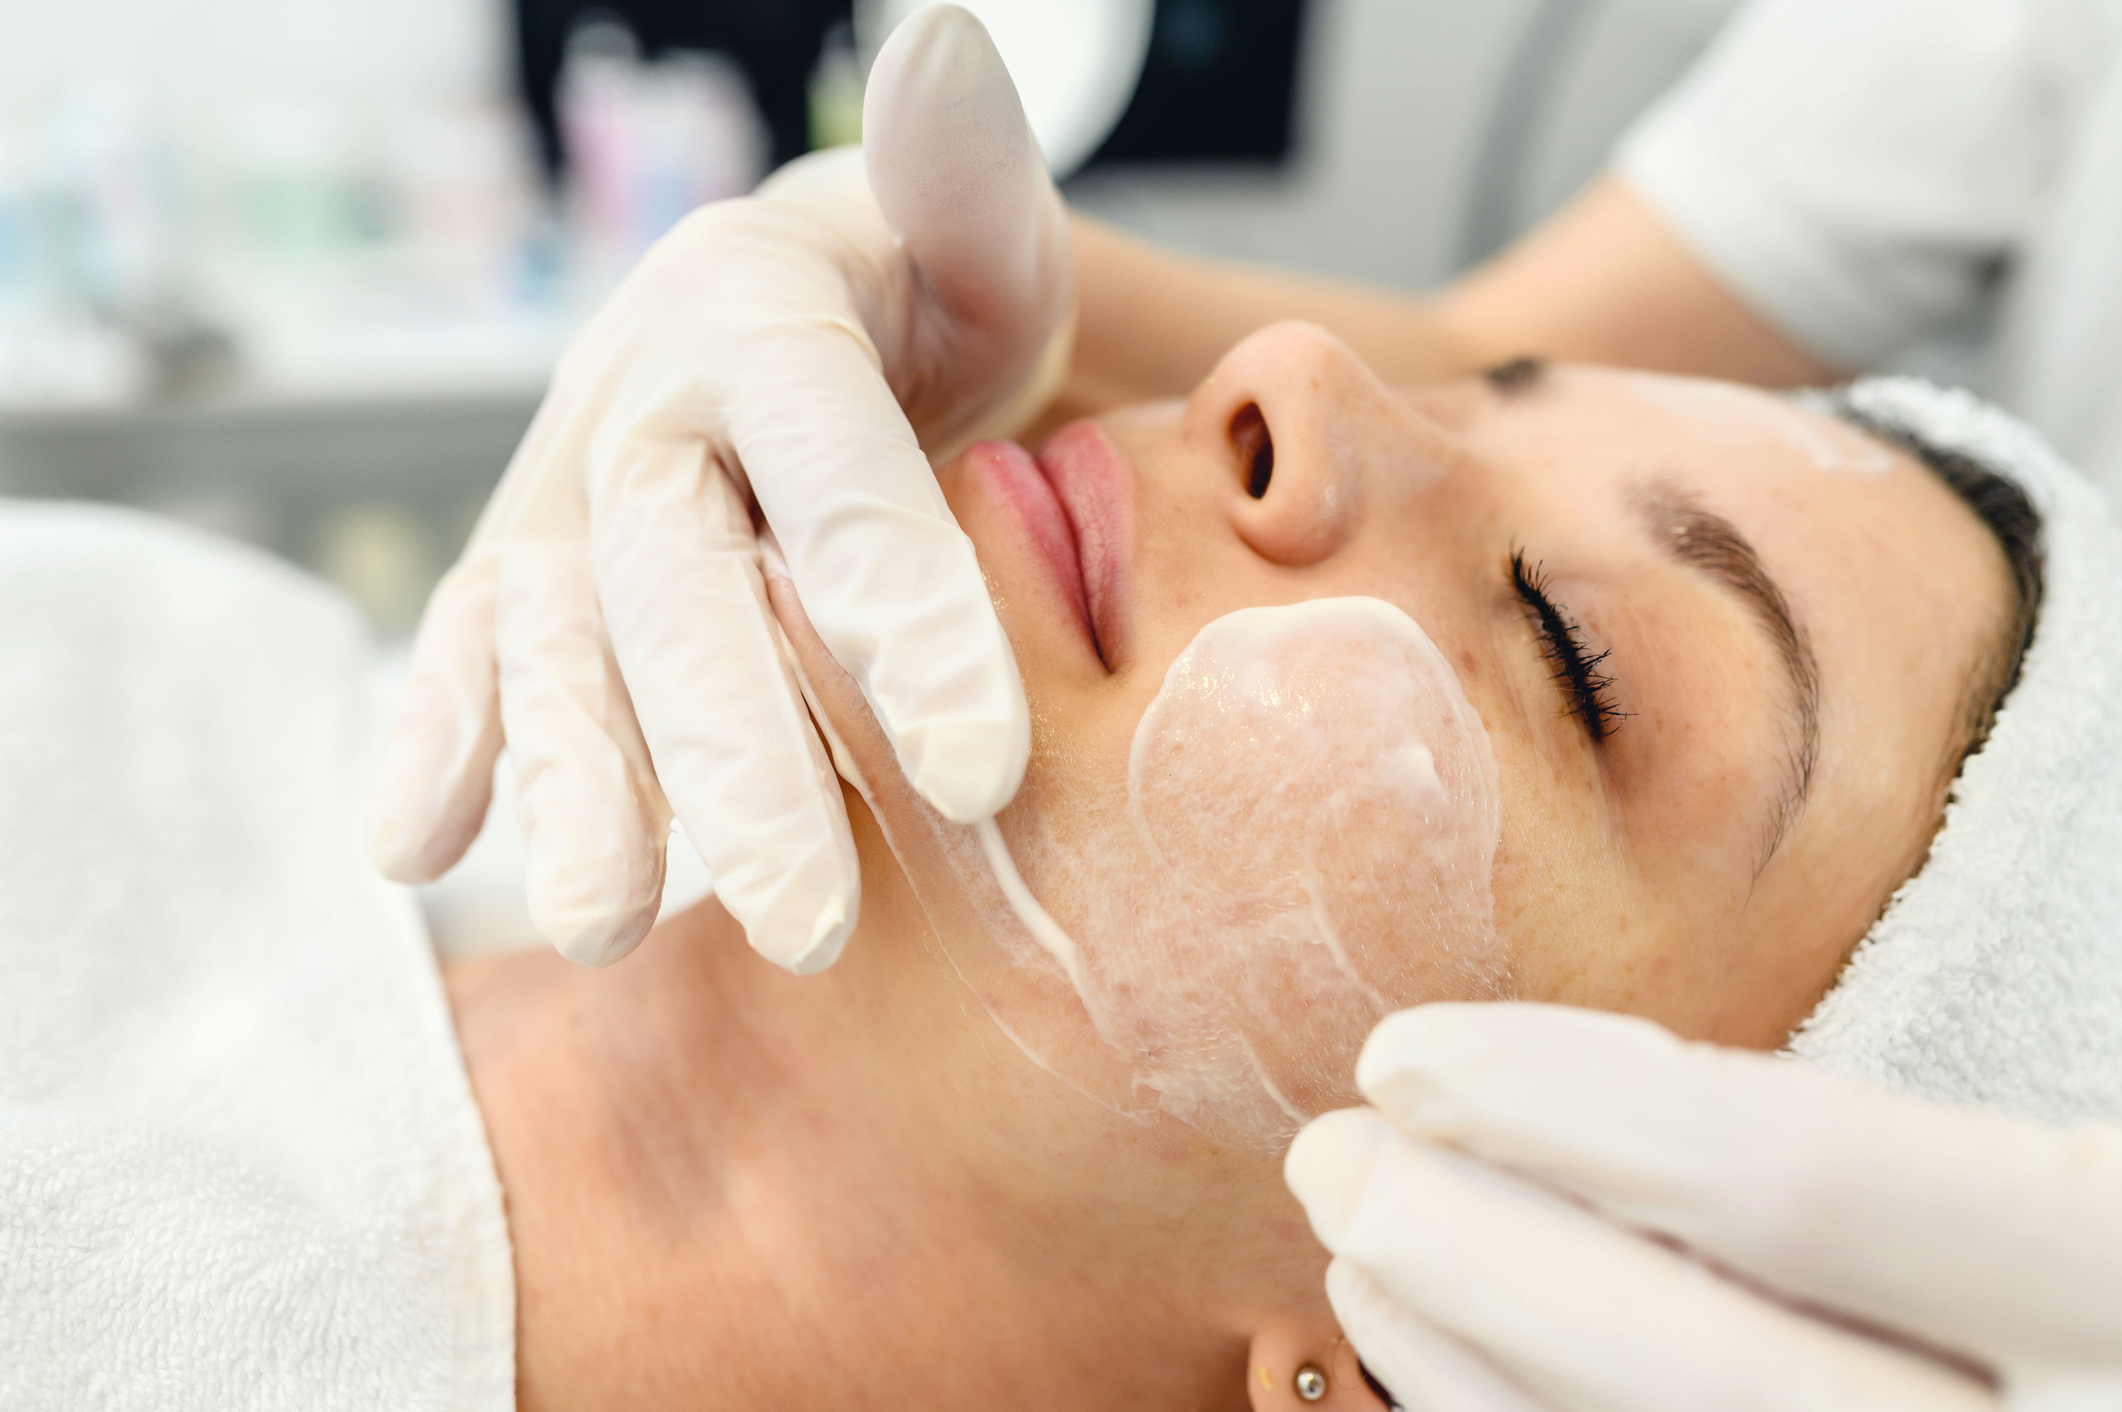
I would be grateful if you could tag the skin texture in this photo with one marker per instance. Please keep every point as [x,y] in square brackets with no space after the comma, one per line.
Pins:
[731,1187]
[1631,874]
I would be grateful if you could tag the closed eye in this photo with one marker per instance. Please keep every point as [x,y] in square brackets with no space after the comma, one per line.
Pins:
[1588,693]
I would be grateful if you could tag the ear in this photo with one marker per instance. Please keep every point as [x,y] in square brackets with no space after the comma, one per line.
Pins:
[1286,1342]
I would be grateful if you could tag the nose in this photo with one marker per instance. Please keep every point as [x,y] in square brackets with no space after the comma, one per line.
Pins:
[1287,415]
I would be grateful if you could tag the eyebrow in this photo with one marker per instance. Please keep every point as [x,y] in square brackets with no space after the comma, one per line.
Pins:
[1515,376]
[1697,538]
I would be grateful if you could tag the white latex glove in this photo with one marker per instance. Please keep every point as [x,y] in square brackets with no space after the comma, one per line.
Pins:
[1623,1221]
[607,620]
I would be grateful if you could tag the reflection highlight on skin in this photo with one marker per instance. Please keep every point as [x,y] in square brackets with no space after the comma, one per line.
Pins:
[1736,416]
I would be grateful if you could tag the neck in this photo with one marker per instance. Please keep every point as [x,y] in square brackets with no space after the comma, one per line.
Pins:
[728,1186]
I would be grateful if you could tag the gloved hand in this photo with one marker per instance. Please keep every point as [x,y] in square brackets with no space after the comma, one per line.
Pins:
[607,619]
[1560,1209]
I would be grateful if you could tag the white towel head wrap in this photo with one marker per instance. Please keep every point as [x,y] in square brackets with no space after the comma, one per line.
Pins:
[1994,976]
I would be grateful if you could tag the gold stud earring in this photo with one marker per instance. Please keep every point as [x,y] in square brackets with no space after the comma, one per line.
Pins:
[1311,1382]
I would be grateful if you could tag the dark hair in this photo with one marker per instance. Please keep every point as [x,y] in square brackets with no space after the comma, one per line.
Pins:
[2001,504]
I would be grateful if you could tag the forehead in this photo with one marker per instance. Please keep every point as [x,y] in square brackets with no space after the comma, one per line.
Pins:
[1692,425]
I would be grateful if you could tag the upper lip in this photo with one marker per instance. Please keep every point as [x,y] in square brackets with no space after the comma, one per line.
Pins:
[1095,483]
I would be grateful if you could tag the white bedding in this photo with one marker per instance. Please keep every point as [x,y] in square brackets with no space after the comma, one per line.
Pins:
[240,1165]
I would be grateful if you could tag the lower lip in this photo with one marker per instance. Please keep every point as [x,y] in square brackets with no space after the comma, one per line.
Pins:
[1009,471]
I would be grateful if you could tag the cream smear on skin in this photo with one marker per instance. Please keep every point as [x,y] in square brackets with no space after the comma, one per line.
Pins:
[1736,416]
[1304,843]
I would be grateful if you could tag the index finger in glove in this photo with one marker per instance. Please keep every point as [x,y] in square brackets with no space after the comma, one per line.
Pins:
[437,773]
[890,581]
[958,173]
[1970,1229]
[1578,1311]
[594,820]
[732,740]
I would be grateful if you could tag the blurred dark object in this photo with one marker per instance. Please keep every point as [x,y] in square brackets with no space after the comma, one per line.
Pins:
[189,356]
[1220,85]
[777,42]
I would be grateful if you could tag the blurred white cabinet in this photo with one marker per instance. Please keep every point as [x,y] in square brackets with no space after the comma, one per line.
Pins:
[1428,133]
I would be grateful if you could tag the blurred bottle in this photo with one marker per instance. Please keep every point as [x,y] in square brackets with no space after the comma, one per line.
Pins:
[300,192]
[649,141]
[464,206]
[113,188]
[91,242]
[836,88]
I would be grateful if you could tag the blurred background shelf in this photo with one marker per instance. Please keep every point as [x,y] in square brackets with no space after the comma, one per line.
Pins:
[298,270]
[375,490]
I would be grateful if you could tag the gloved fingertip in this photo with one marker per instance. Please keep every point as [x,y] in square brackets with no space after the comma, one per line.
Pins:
[408,845]
[1423,1062]
[1364,1311]
[598,947]
[968,768]
[936,47]
[827,938]
[1395,1070]
[594,905]
[397,857]
[434,782]
[1349,1289]
[932,23]
[1329,1166]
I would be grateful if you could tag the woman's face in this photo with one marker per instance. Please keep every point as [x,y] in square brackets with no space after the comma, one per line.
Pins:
[1721,647]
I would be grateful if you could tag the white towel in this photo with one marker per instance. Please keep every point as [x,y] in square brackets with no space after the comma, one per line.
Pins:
[1995,975]
[240,1165]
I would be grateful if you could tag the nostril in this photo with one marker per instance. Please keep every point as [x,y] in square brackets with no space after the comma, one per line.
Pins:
[1255,447]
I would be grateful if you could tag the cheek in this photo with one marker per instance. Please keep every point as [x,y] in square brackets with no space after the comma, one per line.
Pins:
[1708,767]
[1565,902]
[1300,842]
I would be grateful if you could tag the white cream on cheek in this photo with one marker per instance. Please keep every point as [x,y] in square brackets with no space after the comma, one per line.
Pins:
[1735,416]
[1304,842]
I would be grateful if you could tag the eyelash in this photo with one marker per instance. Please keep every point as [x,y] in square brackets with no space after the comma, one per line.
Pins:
[1576,665]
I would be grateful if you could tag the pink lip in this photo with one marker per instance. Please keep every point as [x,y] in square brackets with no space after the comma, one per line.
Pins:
[1014,476]
[1074,503]
[1096,487]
